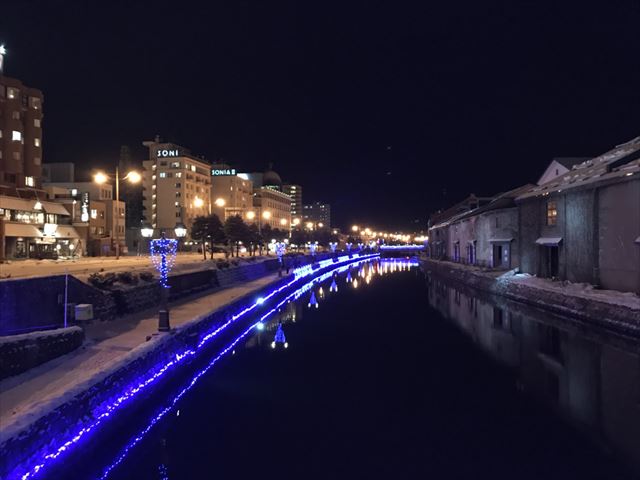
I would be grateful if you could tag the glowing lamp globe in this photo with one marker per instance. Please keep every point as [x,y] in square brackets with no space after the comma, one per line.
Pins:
[146,231]
[181,230]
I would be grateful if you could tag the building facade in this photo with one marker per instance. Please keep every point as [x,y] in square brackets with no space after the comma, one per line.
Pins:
[20,138]
[295,192]
[270,207]
[98,218]
[585,225]
[176,187]
[231,192]
[317,213]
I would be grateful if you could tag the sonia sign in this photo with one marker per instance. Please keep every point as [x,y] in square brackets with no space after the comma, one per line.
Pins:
[223,172]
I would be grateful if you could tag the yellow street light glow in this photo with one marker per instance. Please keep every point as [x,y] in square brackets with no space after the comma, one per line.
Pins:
[133,176]
[100,178]
[355,228]
[266,214]
[310,225]
[283,221]
[321,224]
[251,215]
[220,202]
[296,221]
[198,202]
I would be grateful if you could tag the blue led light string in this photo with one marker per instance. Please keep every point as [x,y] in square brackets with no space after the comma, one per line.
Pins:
[179,357]
[174,401]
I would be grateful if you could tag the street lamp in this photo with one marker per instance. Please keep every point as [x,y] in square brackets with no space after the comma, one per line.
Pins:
[296,221]
[309,225]
[220,202]
[283,222]
[180,230]
[132,177]
[198,202]
[251,215]
[266,214]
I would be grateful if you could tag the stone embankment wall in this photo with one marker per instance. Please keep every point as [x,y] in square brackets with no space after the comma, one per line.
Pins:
[619,319]
[32,304]
[19,353]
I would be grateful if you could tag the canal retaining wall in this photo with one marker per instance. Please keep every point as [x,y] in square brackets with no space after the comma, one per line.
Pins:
[618,318]
[32,304]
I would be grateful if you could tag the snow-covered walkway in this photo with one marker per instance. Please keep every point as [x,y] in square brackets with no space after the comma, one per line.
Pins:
[26,397]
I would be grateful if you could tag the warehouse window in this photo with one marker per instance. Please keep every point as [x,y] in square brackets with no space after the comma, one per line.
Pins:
[552,213]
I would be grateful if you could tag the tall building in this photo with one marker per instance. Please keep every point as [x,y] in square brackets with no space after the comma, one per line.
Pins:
[318,213]
[231,192]
[176,186]
[295,192]
[20,138]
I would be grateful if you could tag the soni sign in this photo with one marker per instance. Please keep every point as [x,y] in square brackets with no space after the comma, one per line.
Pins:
[167,153]
[223,172]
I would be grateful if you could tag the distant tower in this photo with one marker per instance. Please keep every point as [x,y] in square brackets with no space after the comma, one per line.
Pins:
[3,52]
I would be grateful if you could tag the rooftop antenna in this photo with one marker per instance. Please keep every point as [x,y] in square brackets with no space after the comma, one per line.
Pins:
[3,52]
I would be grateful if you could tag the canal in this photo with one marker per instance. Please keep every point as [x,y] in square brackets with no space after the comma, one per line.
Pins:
[395,375]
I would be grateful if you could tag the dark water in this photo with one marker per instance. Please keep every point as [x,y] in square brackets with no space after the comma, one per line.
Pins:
[386,380]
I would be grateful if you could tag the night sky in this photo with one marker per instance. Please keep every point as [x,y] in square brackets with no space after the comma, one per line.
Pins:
[386,110]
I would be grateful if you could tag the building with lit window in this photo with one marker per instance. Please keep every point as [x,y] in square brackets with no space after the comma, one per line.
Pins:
[20,138]
[270,207]
[97,218]
[231,192]
[295,192]
[318,213]
[176,186]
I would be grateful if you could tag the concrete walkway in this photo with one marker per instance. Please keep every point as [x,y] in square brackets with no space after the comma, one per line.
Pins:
[106,343]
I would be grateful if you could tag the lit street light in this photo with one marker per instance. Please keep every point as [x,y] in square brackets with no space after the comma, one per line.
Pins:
[220,202]
[131,177]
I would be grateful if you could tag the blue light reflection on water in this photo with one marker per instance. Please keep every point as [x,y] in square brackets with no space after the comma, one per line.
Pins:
[367,270]
[299,273]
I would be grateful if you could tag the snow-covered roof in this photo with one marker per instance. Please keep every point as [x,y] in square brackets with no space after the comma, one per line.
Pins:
[621,161]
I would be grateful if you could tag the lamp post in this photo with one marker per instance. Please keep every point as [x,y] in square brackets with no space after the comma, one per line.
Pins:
[132,177]
[163,255]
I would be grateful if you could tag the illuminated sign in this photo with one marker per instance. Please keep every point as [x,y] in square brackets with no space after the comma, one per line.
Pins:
[223,172]
[84,207]
[168,153]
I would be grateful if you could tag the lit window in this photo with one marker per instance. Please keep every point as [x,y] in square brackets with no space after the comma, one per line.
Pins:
[74,192]
[16,136]
[36,103]
[178,174]
[552,213]
[163,174]
[94,213]
[12,92]
[29,181]
[175,164]
[36,142]
[36,122]
[177,204]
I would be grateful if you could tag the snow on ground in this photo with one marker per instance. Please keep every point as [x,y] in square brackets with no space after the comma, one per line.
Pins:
[582,290]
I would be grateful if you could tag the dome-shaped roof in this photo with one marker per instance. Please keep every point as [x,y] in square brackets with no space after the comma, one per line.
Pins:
[271,178]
